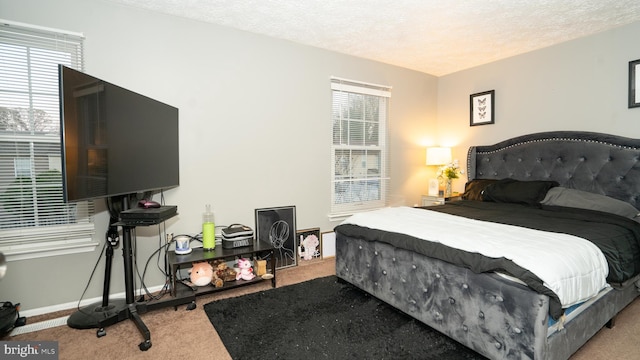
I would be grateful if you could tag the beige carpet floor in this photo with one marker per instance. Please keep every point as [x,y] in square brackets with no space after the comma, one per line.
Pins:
[182,334]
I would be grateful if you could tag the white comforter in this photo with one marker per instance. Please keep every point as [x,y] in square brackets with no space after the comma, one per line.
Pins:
[575,269]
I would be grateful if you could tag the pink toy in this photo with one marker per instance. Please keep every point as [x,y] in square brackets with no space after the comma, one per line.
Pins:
[246,271]
[201,273]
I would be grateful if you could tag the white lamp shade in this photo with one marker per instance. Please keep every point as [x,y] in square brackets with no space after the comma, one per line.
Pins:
[438,155]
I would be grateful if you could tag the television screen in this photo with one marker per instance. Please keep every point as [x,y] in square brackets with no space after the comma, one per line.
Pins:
[114,141]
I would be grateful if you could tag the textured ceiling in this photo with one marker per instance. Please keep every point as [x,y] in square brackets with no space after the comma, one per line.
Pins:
[437,37]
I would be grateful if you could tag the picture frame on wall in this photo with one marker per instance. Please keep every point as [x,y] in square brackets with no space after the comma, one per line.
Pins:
[482,106]
[309,245]
[277,226]
[634,83]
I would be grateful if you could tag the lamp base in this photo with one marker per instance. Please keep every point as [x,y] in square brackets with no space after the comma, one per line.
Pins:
[433,187]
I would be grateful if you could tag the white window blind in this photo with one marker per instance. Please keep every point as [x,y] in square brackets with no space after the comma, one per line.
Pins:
[34,220]
[359,148]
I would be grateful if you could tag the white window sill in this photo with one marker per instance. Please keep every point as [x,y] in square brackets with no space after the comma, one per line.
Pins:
[343,215]
[339,217]
[34,251]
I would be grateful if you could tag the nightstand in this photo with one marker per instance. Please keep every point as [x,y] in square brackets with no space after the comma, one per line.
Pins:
[428,200]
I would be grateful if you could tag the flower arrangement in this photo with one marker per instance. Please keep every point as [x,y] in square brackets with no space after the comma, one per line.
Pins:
[451,170]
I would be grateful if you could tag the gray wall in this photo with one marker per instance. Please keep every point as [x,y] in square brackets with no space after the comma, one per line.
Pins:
[254,127]
[577,85]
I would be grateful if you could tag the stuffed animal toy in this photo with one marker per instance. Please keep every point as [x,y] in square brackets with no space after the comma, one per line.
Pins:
[216,280]
[246,271]
[222,273]
[201,274]
[309,244]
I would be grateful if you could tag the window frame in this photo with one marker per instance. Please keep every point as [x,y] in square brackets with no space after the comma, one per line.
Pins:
[71,228]
[360,176]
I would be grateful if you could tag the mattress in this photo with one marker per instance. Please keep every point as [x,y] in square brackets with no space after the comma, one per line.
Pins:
[617,237]
[618,244]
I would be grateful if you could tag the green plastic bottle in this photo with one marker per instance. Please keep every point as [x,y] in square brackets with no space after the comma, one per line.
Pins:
[208,230]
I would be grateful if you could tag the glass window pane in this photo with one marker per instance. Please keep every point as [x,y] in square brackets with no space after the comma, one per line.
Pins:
[356,106]
[356,133]
[372,104]
[359,163]
[372,133]
[374,162]
[359,127]
[342,163]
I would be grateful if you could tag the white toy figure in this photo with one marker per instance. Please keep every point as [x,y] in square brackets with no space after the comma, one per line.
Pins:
[309,243]
[246,271]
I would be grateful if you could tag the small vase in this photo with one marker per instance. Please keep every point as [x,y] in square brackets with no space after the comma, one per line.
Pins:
[447,188]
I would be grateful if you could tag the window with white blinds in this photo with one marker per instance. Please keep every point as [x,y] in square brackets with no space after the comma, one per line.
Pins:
[359,147]
[34,220]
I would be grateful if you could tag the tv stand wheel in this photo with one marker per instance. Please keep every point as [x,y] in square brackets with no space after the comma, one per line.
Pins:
[145,345]
[101,332]
[191,306]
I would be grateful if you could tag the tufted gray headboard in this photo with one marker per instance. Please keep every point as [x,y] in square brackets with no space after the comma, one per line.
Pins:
[599,163]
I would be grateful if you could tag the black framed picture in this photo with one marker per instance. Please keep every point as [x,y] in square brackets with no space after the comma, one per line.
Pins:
[634,83]
[277,226]
[482,107]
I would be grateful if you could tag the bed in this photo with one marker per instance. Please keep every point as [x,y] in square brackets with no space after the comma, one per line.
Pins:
[493,304]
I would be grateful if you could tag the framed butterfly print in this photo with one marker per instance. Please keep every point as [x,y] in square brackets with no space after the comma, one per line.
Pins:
[482,108]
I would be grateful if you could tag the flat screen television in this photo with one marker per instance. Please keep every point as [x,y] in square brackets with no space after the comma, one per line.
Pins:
[114,141]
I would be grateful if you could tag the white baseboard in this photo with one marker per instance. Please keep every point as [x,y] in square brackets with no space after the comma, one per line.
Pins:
[74,304]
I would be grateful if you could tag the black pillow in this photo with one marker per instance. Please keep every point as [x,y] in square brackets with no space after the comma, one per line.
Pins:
[474,188]
[515,191]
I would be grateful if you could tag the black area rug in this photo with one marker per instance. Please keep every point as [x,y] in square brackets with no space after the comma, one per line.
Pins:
[325,318]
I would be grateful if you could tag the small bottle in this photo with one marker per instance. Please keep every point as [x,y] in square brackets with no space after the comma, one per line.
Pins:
[208,230]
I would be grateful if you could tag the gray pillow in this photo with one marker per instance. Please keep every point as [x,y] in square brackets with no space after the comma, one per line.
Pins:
[560,196]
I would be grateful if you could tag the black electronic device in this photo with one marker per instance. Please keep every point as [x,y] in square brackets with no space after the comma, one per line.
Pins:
[114,141]
[148,216]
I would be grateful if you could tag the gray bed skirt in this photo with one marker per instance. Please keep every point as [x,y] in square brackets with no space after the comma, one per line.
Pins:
[495,317]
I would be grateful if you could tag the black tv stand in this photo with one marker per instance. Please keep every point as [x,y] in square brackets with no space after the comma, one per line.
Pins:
[131,311]
[108,313]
